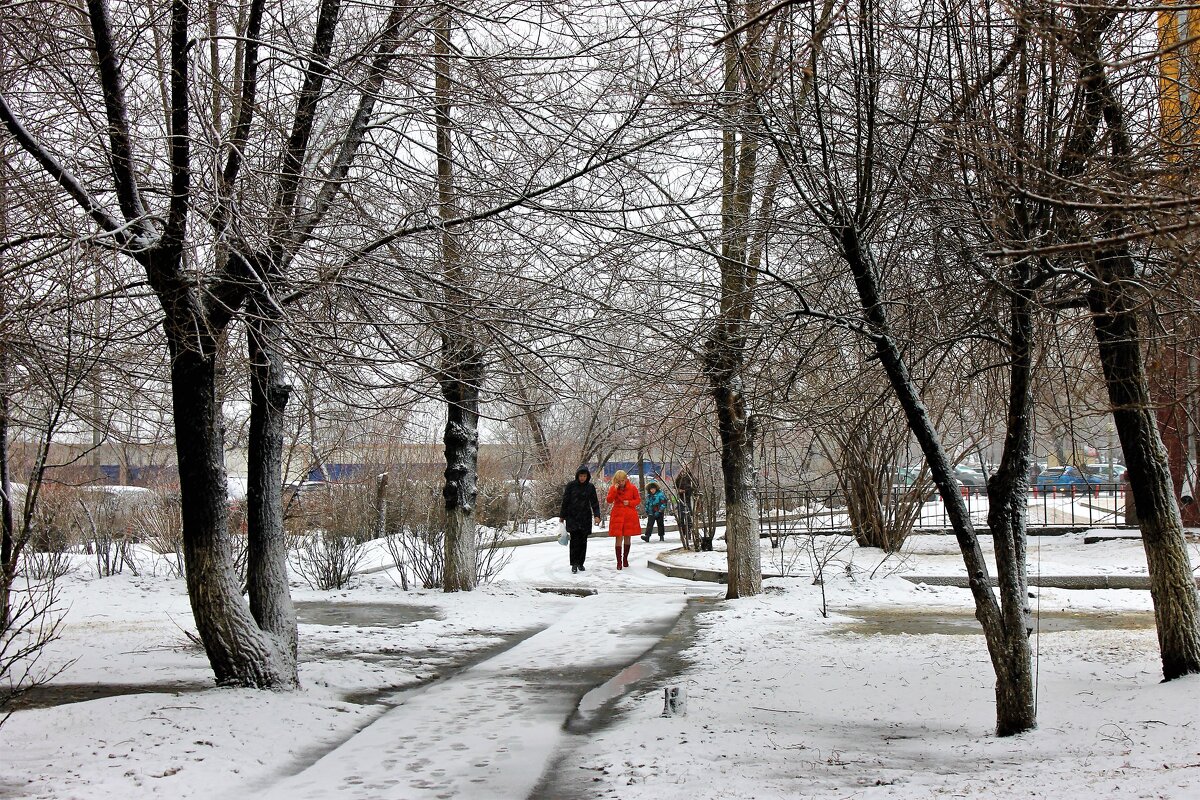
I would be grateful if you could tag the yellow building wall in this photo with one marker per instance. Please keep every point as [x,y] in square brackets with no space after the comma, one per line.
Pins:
[1179,59]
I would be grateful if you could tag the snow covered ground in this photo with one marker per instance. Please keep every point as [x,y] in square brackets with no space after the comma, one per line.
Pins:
[474,695]
[924,554]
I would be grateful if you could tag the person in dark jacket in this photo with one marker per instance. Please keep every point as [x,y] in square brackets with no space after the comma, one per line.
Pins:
[685,485]
[685,489]
[580,508]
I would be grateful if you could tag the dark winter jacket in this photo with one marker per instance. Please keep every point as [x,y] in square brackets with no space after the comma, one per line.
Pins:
[580,503]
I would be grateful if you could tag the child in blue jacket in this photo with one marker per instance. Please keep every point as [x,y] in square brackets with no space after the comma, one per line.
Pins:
[656,506]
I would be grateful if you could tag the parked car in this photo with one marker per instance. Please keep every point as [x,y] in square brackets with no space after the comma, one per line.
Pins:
[1108,473]
[1065,477]
[907,476]
[970,479]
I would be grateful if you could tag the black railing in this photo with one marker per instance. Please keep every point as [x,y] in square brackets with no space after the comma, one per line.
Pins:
[800,511]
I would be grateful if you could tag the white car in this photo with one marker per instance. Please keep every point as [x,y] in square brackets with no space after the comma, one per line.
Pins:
[1109,473]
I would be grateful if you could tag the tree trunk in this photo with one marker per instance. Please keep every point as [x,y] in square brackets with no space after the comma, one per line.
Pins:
[1115,324]
[267,554]
[1008,511]
[462,457]
[1004,630]
[532,412]
[7,529]
[239,652]
[1172,584]
[726,348]
[462,360]
[381,506]
[737,430]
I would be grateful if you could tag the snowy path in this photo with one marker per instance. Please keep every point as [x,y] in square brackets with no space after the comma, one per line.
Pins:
[490,731]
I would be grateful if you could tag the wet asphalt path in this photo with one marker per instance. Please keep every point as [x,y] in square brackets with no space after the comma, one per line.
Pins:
[491,731]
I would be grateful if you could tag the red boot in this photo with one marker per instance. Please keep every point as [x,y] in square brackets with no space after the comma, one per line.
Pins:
[618,559]
[626,554]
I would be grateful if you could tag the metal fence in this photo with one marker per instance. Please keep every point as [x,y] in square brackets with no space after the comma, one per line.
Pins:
[785,512]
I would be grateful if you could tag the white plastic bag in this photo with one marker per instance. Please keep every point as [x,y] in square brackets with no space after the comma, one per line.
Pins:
[564,538]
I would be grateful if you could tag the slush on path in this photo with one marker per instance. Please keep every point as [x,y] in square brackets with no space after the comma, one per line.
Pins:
[490,731]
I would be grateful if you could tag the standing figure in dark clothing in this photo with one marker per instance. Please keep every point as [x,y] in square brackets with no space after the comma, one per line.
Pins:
[685,488]
[685,485]
[580,508]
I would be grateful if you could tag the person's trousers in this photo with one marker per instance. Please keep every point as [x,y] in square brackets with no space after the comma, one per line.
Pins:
[650,525]
[578,547]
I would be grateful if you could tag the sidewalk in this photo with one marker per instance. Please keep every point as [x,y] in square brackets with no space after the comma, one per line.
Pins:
[490,731]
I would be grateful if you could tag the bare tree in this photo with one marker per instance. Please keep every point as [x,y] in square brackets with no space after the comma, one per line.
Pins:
[254,646]
[461,372]
[1101,133]
[846,165]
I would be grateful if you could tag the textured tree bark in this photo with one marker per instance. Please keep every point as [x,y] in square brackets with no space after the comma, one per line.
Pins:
[1008,507]
[8,568]
[462,370]
[736,428]
[725,349]
[194,319]
[541,446]
[267,573]
[462,456]
[1172,583]
[1114,310]
[381,506]
[240,653]
[744,556]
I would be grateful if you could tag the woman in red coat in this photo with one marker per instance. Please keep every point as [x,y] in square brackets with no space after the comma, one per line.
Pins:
[623,521]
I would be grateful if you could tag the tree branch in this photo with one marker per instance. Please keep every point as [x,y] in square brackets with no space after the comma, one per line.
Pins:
[120,154]
[180,146]
[61,175]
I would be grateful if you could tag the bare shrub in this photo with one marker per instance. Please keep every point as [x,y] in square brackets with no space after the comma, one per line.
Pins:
[419,550]
[496,503]
[52,525]
[111,551]
[48,565]
[823,551]
[33,621]
[706,511]
[866,446]
[787,553]
[108,523]
[490,556]
[239,541]
[327,560]
[342,509]
[702,515]
[546,499]
[160,521]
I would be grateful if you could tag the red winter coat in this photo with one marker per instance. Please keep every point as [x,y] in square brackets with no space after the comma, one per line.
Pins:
[623,521]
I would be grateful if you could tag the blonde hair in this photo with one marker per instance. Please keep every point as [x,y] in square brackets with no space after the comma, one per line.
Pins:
[620,475]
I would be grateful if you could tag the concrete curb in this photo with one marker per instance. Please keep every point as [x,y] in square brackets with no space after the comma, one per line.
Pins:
[1130,534]
[692,573]
[1137,582]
